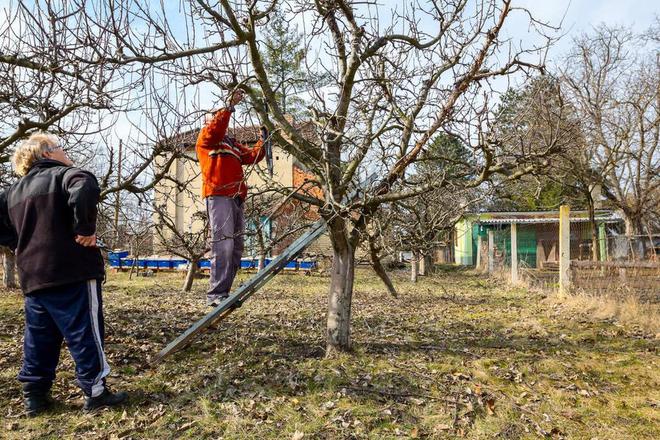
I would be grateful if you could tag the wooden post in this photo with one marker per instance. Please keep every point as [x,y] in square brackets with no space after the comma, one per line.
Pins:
[478,266]
[414,268]
[422,265]
[491,251]
[564,249]
[514,253]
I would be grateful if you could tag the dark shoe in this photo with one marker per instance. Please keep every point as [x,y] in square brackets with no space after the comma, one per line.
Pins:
[215,300]
[104,400]
[36,402]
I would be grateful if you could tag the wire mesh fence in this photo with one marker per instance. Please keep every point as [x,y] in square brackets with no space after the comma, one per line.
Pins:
[630,268]
[603,260]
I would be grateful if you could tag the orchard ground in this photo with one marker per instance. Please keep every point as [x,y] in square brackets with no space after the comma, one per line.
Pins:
[455,355]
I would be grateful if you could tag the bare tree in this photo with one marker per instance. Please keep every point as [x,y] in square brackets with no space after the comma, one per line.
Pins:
[391,85]
[187,245]
[63,69]
[371,119]
[273,222]
[422,224]
[612,79]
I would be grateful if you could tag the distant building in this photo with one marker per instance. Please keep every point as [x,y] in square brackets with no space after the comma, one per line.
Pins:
[537,232]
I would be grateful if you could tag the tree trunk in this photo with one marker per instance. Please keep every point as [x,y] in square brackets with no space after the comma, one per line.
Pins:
[428,265]
[380,270]
[340,293]
[134,266]
[414,270]
[452,260]
[632,226]
[261,244]
[9,270]
[190,275]
[634,232]
[117,198]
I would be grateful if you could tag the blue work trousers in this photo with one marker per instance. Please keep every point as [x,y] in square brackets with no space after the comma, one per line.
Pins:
[73,313]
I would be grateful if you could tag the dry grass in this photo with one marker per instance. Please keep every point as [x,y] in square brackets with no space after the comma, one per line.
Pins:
[456,355]
[625,310]
[621,304]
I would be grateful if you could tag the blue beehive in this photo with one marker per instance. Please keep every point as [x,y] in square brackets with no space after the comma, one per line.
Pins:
[117,255]
[307,265]
[291,265]
[248,263]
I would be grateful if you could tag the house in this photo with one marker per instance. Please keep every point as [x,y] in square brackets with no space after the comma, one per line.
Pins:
[184,204]
[537,235]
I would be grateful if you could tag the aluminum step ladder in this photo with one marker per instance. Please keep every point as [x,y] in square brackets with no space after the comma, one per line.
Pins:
[240,295]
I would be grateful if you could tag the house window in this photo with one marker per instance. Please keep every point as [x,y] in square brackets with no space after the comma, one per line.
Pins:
[251,239]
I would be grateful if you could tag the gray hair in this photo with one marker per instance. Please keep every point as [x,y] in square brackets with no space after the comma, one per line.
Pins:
[32,150]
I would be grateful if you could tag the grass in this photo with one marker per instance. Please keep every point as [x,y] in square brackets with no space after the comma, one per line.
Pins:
[456,355]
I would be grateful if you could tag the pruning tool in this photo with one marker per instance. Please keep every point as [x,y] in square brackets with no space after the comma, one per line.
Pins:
[267,144]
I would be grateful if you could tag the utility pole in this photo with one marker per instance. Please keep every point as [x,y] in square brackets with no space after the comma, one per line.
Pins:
[117,199]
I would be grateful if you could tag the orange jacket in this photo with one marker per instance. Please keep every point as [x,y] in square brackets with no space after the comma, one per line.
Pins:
[221,158]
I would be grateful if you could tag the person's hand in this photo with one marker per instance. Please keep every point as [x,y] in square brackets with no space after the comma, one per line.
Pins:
[86,240]
[236,97]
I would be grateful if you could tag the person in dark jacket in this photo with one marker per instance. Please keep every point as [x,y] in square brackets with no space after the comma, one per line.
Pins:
[49,218]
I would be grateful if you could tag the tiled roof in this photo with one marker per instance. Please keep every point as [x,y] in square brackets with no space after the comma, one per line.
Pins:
[612,218]
[246,135]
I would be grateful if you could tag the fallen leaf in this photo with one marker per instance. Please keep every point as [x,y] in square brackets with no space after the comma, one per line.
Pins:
[490,406]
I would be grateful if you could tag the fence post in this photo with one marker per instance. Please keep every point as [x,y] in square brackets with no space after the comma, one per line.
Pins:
[564,249]
[514,253]
[478,265]
[491,251]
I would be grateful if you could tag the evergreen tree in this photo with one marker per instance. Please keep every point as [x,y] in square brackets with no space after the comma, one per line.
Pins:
[447,155]
[284,64]
[534,116]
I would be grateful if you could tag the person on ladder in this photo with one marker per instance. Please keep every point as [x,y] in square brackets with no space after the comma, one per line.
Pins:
[221,158]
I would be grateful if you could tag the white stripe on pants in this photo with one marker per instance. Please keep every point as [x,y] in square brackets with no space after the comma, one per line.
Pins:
[98,386]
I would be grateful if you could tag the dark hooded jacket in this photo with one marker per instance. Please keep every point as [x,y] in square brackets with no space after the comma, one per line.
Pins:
[40,215]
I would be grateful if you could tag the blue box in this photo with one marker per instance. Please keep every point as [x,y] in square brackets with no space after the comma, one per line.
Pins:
[307,265]
[117,255]
[291,265]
